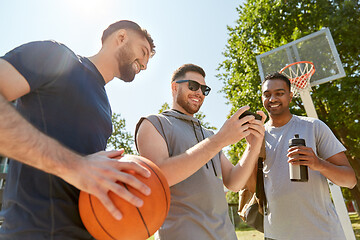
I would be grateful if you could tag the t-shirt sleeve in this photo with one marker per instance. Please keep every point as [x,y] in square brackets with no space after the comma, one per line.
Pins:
[326,142]
[39,62]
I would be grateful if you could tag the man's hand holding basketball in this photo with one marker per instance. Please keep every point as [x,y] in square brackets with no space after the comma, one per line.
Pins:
[99,173]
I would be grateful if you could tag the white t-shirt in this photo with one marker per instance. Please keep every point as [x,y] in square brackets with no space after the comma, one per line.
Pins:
[299,210]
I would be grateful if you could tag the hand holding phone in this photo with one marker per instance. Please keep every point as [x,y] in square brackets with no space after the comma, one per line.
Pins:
[246,113]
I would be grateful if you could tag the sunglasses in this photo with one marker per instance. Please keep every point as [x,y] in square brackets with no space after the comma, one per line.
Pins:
[194,86]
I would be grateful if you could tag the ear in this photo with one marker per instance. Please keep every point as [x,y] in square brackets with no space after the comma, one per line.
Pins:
[174,87]
[121,36]
[291,96]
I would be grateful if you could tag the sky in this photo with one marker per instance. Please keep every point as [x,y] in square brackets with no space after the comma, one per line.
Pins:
[184,31]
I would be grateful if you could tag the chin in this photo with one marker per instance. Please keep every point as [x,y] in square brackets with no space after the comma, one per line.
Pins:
[276,113]
[193,111]
[128,78]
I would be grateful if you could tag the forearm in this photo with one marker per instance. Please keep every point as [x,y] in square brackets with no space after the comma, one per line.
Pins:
[23,142]
[182,166]
[177,168]
[342,176]
[243,170]
[335,168]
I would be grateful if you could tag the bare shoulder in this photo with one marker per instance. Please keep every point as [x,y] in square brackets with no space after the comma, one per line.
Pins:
[150,143]
[146,128]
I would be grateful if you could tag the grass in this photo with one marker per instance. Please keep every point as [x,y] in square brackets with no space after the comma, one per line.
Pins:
[245,232]
[355,222]
[249,234]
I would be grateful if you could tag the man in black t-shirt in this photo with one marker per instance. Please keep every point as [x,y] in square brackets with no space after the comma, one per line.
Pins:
[56,136]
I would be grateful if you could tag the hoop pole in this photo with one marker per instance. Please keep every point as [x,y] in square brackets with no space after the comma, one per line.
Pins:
[336,193]
[308,104]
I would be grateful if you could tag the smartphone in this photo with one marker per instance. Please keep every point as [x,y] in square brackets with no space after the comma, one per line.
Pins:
[246,113]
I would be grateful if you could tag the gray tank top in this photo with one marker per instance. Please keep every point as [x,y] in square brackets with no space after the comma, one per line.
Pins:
[198,208]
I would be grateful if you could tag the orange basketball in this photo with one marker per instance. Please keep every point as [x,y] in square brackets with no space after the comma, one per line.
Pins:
[136,223]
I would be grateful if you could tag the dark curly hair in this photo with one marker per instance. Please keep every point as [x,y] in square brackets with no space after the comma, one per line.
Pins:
[126,24]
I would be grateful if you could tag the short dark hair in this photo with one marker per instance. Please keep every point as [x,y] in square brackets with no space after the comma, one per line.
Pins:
[126,24]
[181,71]
[277,75]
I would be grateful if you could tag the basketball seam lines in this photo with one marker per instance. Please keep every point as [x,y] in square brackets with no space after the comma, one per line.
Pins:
[141,216]
[162,185]
[103,228]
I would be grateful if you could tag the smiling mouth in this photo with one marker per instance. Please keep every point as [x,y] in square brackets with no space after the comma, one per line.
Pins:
[274,105]
[197,100]
[136,67]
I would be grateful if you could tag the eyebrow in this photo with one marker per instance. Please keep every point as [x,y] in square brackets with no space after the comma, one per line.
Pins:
[276,90]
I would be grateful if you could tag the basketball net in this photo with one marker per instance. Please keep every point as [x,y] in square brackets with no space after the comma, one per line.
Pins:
[299,74]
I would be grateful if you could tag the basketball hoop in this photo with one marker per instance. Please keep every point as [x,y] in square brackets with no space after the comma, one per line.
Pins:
[299,74]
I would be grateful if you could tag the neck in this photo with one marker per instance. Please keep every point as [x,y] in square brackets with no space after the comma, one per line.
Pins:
[104,64]
[177,111]
[178,108]
[279,120]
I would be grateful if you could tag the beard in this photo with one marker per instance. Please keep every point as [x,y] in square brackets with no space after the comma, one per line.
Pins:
[182,101]
[124,56]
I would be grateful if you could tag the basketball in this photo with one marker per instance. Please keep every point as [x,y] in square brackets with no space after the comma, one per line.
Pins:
[136,223]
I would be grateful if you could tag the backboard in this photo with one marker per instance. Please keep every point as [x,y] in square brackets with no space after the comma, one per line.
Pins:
[318,48]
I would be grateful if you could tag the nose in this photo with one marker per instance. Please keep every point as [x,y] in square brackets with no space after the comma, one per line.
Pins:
[272,97]
[143,65]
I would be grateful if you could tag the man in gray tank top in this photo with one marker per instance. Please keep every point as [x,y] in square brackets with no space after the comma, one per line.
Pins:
[300,210]
[193,162]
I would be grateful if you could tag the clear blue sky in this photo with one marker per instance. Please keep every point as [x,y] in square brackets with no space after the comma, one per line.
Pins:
[184,31]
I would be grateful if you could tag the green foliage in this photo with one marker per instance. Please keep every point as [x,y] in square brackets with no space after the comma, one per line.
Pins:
[164,107]
[199,115]
[355,222]
[232,197]
[119,137]
[346,194]
[267,24]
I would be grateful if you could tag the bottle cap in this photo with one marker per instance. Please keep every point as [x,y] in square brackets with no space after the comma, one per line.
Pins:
[296,141]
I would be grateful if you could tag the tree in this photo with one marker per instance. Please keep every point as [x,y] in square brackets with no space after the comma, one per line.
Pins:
[119,137]
[199,115]
[164,107]
[267,24]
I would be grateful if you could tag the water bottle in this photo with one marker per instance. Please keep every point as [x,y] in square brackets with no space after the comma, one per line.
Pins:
[298,173]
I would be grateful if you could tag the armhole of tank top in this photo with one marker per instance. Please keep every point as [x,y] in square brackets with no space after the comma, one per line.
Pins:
[163,132]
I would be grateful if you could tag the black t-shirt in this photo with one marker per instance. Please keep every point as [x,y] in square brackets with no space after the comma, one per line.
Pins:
[68,102]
